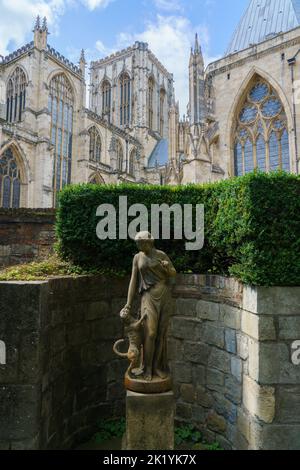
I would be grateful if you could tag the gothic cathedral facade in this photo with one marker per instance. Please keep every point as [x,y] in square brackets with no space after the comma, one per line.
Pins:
[243,113]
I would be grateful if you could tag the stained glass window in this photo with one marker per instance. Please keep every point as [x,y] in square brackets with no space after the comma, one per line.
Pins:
[95,145]
[10,181]
[162,111]
[16,95]
[125,97]
[61,106]
[261,137]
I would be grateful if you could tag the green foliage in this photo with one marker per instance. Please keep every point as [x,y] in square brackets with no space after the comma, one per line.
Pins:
[187,434]
[110,429]
[252,227]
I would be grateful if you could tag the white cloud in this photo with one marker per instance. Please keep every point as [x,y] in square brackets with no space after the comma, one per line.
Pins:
[170,39]
[17,17]
[168,5]
[93,4]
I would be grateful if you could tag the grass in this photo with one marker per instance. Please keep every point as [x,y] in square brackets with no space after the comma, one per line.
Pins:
[51,267]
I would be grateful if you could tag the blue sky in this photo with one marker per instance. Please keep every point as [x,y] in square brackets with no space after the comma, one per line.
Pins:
[104,26]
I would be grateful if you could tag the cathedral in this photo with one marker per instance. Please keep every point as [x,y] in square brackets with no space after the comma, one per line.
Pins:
[243,112]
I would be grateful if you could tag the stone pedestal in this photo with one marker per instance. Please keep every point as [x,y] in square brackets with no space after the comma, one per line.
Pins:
[149,421]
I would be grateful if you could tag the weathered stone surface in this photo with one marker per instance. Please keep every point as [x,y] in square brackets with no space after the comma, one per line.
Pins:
[203,398]
[175,349]
[186,307]
[260,327]
[225,407]
[233,389]
[243,424]
[97,310]
[275,365]
[280,437]
[230,316]
[272,300]
[230,341]
[188,393]
[214,335]
[216,423]
[208,310]
[259,400]
[183,411]
[187,329]
[196,352]
[288,404]
[289,328]
[181,372]
[242,346]
[198,374]
[220,360]
[215,379]
[237,368]
[198,415]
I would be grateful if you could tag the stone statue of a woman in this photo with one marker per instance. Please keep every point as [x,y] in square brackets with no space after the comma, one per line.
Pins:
[151,272]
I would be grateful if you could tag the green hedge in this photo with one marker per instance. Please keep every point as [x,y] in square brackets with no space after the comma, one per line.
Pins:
[252,227]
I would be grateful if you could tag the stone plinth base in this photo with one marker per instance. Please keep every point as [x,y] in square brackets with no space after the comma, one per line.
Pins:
[149,421]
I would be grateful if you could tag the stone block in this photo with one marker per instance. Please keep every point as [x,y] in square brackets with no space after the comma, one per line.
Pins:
[187,329]
[183,411]
[150,421]
[230,316]
[259,400]
[275,365]
[243,424]
[215,379]
[288,404]
[242,346]
[237,368]
[272,300]
[259,327]
[198,374]
[230,341]
[213,335]
[186,307]
[197,353]
[203,397]
[225,407]
[216,423]
[280,437]
[175,349]
[209,311]
[97,310]
[198,415]
[289,328]
[220,360]
[233,389]
[188,393]
[181,372]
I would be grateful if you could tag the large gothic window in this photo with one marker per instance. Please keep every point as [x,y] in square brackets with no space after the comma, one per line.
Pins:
[150,102]
[16,96]
[10,181]
[162,111]
[61,107]
[261,137]
[106,99]
[125,96]
[120,156]
[95,145]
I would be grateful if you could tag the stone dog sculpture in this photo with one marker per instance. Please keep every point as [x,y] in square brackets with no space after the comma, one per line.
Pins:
[134,330]
[151,272]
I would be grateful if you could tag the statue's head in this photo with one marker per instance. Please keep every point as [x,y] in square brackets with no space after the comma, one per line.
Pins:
[144,241]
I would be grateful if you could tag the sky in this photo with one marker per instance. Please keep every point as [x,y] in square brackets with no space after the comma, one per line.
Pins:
[105,26]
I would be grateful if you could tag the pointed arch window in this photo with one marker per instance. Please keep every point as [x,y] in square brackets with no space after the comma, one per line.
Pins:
[261,136]
[125,97]
[61,107]
[120,156]
[10,180]
[16,95]
[150,103]
[95,145]
[106,99]
[162,96]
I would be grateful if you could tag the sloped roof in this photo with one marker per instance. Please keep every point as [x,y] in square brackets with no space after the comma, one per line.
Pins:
[160,154]
[264,19]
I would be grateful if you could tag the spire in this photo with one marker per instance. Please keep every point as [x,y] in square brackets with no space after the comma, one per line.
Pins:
[40,33]
[82,62]
[37,25]
[197,48]
[45,26]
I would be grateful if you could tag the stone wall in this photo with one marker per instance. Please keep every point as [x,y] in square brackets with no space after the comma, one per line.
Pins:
[25,235]
[230,354]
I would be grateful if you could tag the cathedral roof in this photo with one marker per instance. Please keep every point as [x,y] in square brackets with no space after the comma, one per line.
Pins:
[160,154]
[264,19]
